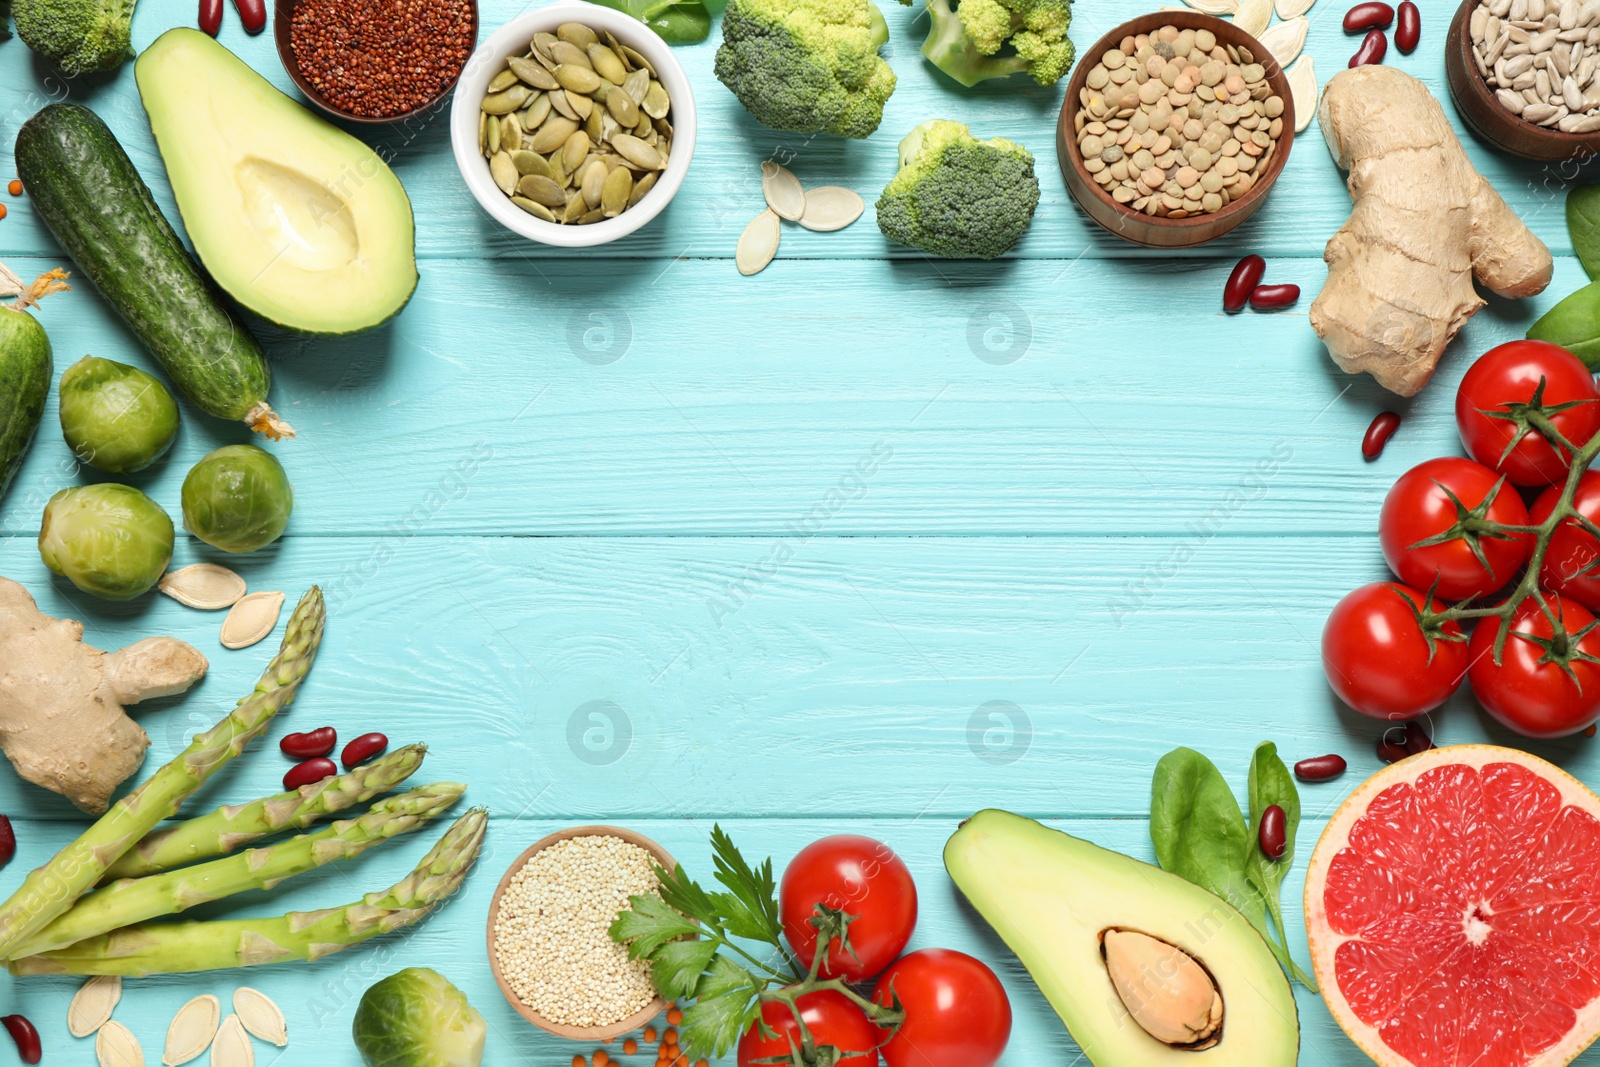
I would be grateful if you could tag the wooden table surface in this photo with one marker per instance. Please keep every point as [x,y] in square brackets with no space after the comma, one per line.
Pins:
[864,543]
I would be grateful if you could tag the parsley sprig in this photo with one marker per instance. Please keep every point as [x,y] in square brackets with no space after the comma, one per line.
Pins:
[724,951]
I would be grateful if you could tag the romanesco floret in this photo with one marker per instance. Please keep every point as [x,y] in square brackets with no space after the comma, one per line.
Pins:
[956,196]
[807,65]
[982,39]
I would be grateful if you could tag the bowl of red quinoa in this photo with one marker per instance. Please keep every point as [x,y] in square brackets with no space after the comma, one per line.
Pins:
[375,61]
[513,39]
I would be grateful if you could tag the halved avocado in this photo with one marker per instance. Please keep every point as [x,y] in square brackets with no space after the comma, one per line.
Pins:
[1053,898]
[297,220]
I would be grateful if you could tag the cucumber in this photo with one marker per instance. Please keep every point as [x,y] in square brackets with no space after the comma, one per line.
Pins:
[87,191]
[25,371]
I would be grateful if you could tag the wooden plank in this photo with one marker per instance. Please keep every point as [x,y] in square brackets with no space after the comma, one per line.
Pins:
[723,189]
[510,401]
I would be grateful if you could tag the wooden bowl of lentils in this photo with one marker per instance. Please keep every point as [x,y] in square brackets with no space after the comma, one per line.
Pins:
[1525,75]
[548,943]
[375,61]
[1174,129]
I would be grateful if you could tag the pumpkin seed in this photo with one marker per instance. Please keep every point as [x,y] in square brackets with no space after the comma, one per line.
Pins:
[232,1047]
[581,105]
[504,172]
[578,79]
[542,191]
[97,998]
[483,132]
[537,111]
[1288,9]
[594,216]
[192,1029]
[115,1046]
[494,136]
[1253,16]
[552,135]
[758,244]
[558,100]
[1303,88]
[615,192]
[622,107]
[595,123]
[656,103]
[574,152]
[510,133]
[636,151]
[636,58]
[507,100]
[576,208]
[577,33]
[533,73]
[563,52]
[251,619]
[831,207]
[1286,40]
[642,186]
[635,85]
[535,209]
[204,586]
[783,191]
[260,1016]
[592,182]
[607,63]
[530,163]
[504,80]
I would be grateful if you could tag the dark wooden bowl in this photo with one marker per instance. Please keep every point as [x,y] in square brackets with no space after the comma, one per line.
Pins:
[1150,230]
[1482,112]
[573,1033]
[283,34]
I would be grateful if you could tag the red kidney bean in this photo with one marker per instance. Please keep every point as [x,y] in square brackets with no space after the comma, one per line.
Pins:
[253,13]
[8,840]
[1372,50]
[1417,739]
[26,1037]
[1383,426]
[1392,751]
[1372,15]
[309,745]
[1320,768]
[1409,32]
[309,773]
[1242,282]
[362,749]
[211,16]
[1273,835]
[1273,297]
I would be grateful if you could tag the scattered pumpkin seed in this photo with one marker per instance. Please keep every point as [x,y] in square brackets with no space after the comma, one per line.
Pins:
[232,1047]
[192,1029]
[97,998]
[1303,88]
[758,244]
[251,619]
[205,587]
[831,207]
[115,1046]
[260,1015]
[783,191]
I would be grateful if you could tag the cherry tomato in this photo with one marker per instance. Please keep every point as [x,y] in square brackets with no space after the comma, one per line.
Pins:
[1419,507]
[1377,659]
[1524,691]
[1507,375]
[957,1013]
[832,1021]
[1572,550]
[860,877]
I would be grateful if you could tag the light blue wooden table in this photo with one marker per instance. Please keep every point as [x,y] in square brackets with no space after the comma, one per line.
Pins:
[589,525]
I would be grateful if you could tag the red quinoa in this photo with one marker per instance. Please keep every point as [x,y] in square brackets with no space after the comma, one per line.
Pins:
[381,58]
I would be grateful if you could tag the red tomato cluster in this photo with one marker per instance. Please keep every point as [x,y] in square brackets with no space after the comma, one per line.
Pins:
[956,1012]
[1432,529]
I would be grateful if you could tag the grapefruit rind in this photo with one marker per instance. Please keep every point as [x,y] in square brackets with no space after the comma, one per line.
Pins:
[1325,942]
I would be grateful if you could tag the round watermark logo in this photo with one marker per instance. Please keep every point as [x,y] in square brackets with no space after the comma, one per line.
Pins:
[999,332]
[599,732]
[599,336]
[999,733]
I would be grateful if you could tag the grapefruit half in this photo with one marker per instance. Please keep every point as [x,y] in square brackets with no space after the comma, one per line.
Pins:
[1453,909]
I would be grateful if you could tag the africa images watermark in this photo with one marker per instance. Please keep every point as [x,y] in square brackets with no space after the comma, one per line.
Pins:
[1136,593]
[851,485]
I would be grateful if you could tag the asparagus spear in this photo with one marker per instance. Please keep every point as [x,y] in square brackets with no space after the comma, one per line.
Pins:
[136,899]
[49,891]
[230,827]
[170,948]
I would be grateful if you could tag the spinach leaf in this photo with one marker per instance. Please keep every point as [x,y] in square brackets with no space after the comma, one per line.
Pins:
[1583,225]
[1574,324]
[1200,833]
[676,21]
[1271,783]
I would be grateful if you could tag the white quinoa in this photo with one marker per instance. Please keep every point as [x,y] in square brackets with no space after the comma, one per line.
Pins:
[550,934]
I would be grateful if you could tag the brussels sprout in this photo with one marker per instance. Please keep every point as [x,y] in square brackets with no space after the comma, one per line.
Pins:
[416,1018]
[116,417]
[110,540]
[237,499]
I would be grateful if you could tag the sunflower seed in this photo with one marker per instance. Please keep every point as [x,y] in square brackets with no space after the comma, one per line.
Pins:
[259,1015]
[205,587]
[831,207]
[758,244]
[251,619]
[97,998]
[192,1029]
[115,1046]
[232,1047]
[783,191]
[1285,40]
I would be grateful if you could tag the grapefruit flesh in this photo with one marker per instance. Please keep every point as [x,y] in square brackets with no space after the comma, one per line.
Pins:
[1453,910]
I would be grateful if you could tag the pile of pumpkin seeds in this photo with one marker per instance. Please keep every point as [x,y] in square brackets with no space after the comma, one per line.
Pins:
[577,130]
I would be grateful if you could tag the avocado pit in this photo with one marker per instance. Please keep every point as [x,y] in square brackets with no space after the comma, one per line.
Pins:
[1166,990]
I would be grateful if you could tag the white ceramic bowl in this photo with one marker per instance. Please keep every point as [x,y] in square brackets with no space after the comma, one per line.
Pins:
[512,40]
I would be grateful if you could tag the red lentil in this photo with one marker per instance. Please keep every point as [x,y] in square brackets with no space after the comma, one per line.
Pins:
[382,58]
[15,188]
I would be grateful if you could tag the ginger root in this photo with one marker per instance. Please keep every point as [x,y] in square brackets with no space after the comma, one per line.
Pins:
[1423,225]
[61,718]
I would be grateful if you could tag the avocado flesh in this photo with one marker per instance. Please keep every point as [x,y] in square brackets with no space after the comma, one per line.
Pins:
[296,220]
[1051,896]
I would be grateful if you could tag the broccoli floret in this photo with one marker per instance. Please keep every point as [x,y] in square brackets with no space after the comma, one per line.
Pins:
[807,65]
[970,43]
[956,196]
[78,36]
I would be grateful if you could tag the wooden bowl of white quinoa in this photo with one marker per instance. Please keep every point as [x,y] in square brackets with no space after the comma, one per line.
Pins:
[548,947]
